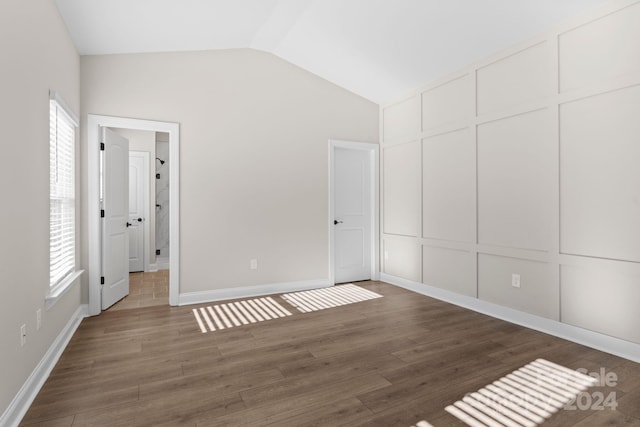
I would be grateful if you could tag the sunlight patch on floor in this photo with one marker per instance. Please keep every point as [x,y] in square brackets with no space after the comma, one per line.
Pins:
[335,296]
[229,315]
[525,397]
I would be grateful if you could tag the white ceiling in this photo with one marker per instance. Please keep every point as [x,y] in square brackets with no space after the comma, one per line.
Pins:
[379,49]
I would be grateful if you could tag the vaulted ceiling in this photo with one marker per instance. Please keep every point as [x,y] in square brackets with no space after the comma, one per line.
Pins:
[379,49]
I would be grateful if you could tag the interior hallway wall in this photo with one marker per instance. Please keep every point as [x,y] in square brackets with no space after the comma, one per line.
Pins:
[254,134]
[37,56]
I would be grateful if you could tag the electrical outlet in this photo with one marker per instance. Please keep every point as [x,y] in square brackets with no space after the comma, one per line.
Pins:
[253,264]
[23,335]
[38,319]
[515,280]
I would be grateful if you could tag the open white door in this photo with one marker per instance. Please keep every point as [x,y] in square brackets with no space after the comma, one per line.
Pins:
[115,205]
[138,187]
[352,214]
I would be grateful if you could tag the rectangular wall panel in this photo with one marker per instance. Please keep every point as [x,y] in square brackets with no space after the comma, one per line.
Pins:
[600,176]
[449,186]
[450,269]
[516,171]
[514,80]
[505,175]
[401,189]
[401,121]
[600,50]
[600,300]
[448,103]
[401,258]
[538,292]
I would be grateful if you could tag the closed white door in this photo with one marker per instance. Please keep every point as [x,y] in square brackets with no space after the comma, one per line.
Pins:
[137,199]
[352,214]
[115,201]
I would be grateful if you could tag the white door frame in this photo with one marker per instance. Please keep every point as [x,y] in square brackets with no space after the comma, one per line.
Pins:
[146,248]
[374,156]
[94,122]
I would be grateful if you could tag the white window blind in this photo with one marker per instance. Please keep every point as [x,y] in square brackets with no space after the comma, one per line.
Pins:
[62,203]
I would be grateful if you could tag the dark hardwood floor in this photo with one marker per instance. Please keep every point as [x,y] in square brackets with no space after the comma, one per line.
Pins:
[391,361]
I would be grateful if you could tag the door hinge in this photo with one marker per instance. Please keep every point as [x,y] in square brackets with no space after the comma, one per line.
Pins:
[102,280]
[102,146]
[101,213]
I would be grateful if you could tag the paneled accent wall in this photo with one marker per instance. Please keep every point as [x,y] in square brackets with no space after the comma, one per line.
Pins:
[526,163]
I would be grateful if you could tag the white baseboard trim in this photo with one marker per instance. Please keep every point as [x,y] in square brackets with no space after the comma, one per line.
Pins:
[596,340]
[153,268]
[23,400]
[250,291]
[162,263]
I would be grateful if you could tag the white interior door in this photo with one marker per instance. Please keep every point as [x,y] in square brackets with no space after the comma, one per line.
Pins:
[352,214]
[137,190]
[115,201]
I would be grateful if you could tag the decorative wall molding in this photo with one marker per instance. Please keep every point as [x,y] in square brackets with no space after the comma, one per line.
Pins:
[488,174]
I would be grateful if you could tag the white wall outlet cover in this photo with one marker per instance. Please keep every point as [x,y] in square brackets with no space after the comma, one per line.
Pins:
[515,280]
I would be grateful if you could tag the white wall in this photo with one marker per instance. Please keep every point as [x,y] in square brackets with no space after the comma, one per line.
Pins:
[526,162]
[254,149]
[37,55]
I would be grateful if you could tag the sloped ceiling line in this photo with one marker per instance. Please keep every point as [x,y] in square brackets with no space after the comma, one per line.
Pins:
[379,49]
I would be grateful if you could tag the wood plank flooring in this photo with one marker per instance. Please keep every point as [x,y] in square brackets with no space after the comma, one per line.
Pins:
[145,290]
[392,361]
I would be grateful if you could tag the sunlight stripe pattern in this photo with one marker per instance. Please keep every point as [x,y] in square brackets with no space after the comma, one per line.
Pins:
[239,313]
[335,296]
[525,397]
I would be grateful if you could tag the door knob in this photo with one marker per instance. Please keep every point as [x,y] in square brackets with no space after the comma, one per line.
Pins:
[139,220]
[336,222]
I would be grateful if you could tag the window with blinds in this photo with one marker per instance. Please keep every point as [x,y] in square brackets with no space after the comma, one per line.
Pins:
[62,203]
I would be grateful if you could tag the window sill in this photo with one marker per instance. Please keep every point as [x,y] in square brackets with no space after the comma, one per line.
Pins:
[61,288]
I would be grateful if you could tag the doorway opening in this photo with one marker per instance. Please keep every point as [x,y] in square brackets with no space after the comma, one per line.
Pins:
[146,289]
[95,123]
[148,220]
[353,211]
